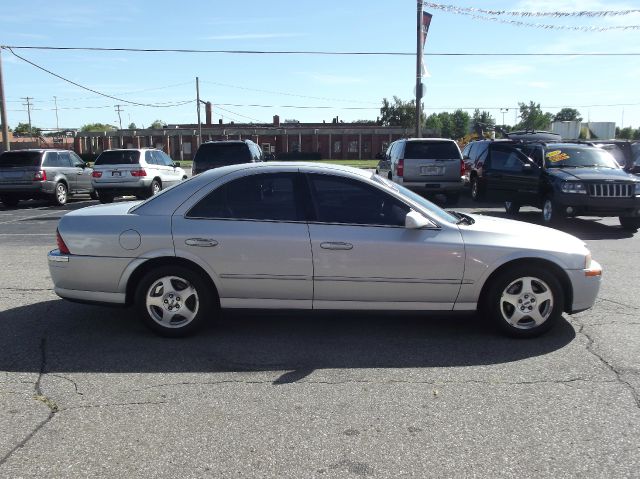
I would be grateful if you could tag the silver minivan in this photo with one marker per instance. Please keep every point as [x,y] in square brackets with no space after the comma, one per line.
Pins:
[426,165]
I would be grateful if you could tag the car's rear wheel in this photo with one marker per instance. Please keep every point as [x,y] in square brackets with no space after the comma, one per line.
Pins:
[476,194]
[93,195]
[525,301]
[105,197]
[10,200]
[173,301]
[155,187]
[60,194]
[511,208]
[629,223]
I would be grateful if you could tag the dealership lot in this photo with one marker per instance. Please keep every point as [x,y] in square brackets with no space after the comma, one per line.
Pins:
[87,390]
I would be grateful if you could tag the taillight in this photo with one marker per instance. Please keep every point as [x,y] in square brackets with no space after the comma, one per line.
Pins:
[138,173]
[62,247]
[463,168]
[400,168]
[96,174]
[40,176]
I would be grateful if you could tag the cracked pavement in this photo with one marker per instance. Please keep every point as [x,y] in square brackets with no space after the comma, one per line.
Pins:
[88,391]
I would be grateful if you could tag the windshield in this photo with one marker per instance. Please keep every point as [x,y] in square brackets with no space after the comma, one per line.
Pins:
[416,198]
[20,158]
[578,156]
[212,155]
[119,157]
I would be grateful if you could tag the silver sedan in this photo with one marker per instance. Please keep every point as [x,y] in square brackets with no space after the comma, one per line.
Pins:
[304,236]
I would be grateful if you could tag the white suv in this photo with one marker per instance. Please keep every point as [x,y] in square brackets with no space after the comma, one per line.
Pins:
[134,172]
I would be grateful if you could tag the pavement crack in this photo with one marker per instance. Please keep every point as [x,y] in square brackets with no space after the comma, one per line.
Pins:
[27,290]
[38,396]
[618,303]
[591,348]
[116,404]
[75,385]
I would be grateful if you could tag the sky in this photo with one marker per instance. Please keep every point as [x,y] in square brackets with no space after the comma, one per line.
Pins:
[310,88]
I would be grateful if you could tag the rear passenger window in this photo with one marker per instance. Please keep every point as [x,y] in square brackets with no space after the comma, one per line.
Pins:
[150,158]
[52,159]
[269,197]
[340,200]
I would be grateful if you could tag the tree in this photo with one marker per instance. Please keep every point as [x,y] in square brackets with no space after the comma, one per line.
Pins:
[97,127]
[532,117]
[158,125]
[132,126]
[365,122]
[460,123]
[482,121]
[625,133]
[433,123]
[567,114]
[446,122]
[23,129]
[399,113]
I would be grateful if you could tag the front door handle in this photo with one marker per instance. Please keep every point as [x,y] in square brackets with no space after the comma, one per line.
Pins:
[336,246]
[202,242]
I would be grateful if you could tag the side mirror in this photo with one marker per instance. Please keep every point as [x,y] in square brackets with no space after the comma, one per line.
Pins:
[415,221]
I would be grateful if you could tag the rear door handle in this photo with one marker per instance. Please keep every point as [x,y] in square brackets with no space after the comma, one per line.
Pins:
[336,245]
[202,242]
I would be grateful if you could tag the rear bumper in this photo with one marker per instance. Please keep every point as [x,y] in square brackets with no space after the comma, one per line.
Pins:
[125,188]
[433,186]
[33,190]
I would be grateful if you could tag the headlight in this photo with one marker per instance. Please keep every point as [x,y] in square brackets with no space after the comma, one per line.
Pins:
[574,187]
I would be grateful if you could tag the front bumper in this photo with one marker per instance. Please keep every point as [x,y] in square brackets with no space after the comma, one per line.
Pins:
[585,285]
[585,205]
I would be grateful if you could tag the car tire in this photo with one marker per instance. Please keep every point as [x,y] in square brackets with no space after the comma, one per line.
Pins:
[452,198]
[105,197]
[629,223]
[93,195]
[550,212]
[10,201]
[60,194]
[476,194]
[154,188]
[511,207]
[173,301]
[524,301]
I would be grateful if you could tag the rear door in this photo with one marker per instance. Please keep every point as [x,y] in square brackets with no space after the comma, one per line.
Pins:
[506,177]
[58,167]
[431,160]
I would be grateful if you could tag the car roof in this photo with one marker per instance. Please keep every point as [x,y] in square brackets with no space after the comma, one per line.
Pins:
[428,139]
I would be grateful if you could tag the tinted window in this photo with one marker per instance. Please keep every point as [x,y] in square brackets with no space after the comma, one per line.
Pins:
[212,155]
[256,197]
[64,158]
[20,158]
[481,152]
[341,200]
[119,157]
[432,150]
[76,160]
[52,159]
[466,151]
[150,158]
[505,160]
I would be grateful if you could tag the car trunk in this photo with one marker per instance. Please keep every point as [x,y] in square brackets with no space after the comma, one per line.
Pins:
[431,161]
[19,167]
[117,166]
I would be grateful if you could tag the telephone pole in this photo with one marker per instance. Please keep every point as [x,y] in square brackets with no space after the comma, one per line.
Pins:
[119,118]
[28,105]
[198,103]
[3,112]
[55,101]
[419,69]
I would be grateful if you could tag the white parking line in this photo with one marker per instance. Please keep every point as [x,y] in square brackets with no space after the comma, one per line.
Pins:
[26,234]
[29,217]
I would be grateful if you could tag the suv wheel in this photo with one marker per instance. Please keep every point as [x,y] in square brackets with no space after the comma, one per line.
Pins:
[155,187]
[60,194]
[550,212]
[105,197]
[93,195]
[476,195]
[511,208]
[525,301]
[10,200]
[629,223]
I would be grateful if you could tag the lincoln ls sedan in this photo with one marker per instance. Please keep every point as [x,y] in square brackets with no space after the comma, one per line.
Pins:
[305,236]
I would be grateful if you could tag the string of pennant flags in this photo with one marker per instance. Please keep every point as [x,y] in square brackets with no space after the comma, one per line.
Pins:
[498,16]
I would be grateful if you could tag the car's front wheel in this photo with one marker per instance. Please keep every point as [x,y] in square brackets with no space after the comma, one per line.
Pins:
[511,208]
[551,212]
[525,301]
[173,301]
[629,223]
[476,194]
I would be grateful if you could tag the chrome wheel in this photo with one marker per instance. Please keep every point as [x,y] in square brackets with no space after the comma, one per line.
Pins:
[547,211]
[61,194]
[155,188]
[526,302]
[172,302]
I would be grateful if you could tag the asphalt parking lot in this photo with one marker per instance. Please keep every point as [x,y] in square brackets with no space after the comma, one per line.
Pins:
[88,391]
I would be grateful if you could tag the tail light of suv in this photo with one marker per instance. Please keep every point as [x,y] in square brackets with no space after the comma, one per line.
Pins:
[400,168]
[463,168]
[40,176]
[137,173]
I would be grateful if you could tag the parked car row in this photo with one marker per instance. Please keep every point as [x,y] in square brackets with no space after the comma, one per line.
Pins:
[563,179]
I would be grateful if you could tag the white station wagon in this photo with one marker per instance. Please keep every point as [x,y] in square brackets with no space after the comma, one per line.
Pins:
[304,236]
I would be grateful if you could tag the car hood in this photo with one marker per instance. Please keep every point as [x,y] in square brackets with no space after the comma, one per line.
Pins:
[513,239]
[590,174]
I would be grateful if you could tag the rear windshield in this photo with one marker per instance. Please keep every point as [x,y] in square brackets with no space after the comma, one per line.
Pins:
[445,150]
[20,158]
[124,157]
[209,156]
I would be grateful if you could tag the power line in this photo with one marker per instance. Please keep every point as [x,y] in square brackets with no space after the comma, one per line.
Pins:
[524,13]
[238,114]
[90,89]
[311,52]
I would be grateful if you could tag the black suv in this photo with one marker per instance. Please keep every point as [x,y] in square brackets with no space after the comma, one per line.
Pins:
[562,179]
[50,174]
[214,154]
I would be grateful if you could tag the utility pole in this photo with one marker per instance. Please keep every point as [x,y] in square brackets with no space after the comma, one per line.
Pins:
[119,118]
[419,70]
[55,101]
[3,112]
[28,105]
[198,103]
